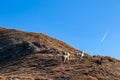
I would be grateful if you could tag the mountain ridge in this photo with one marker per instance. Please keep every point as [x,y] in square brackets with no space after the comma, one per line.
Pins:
[16,35]
[36,56]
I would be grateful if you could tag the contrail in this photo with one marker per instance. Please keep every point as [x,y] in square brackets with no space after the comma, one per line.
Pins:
[103,38]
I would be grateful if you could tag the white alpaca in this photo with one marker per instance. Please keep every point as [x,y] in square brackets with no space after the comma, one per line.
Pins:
[66,56]
[82,54]
[79,54]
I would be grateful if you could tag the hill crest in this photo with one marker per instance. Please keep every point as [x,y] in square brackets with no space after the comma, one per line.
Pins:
[12,36]
[36,56]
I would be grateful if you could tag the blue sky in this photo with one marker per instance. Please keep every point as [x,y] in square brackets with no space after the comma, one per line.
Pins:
[89,25]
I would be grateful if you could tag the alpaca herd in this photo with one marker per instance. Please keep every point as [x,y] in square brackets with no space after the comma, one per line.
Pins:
[66,55]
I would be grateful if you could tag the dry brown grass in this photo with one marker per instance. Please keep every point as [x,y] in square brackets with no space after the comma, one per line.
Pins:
[49,66]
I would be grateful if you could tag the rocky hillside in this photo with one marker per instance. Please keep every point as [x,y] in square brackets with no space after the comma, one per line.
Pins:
[18,43]
[33,56]
[12,36]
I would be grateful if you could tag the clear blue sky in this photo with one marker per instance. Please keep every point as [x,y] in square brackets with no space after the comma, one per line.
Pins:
[89,25]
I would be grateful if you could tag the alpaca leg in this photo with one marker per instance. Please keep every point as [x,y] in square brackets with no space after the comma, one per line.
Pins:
[64,59]
[68,58]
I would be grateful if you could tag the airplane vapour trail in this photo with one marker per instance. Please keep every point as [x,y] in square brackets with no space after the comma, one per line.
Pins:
[104,36]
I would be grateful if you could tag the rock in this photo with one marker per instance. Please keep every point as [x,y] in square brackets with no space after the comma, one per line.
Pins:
[64,77]
[16,50]
[51,50]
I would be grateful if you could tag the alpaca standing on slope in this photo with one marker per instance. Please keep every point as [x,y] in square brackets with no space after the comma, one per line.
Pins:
[66,56]
[79,54]
[82,54]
